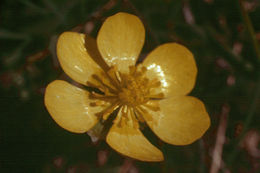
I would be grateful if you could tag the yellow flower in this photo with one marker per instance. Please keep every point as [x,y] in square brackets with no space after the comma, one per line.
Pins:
[153,92]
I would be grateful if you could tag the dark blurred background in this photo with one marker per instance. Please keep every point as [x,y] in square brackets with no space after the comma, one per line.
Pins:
[223,36]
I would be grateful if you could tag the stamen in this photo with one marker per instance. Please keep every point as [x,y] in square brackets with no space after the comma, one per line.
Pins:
[130,121]
[133,93]
[102,82]
[100,87]
[153,105]
[122,123]
[133,118]
[144,113]
[111,74]
[118,117]
[154,83]
[139,74]
[98,103]
[156,96]
[118,77]
[94,95]
[143,69]
[106,112]
[132,70]
[147,115]
[123,81]
[138,115]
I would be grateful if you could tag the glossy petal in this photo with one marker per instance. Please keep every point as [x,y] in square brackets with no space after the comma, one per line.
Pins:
[120,40]
[130,141]
[69,106]
[174,66]
[180,121]
[74,57]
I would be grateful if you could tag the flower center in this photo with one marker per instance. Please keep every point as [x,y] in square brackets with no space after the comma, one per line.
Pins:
[129,92]
[134,90]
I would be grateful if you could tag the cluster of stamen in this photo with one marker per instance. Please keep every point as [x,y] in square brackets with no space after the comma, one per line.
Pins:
[131,93]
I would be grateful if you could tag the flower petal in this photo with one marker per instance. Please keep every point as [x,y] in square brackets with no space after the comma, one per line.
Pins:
[174,66]
[180,121]
[131,142]
[69,106]
[120,40]
[74,56]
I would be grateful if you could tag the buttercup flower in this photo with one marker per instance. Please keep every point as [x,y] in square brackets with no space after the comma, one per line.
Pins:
[152,92]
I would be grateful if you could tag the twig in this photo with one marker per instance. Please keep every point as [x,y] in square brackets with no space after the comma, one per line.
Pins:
[217,152]
[250,28]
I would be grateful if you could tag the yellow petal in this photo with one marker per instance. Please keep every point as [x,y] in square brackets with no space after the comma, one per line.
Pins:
[174,66]
[120,40]
[180,121]
[69,106]
[130,141]
[75,58]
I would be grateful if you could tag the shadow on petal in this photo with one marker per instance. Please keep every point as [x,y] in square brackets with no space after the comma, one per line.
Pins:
[92,50]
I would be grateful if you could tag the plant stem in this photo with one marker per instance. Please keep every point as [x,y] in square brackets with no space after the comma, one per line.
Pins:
[250,28]
[256,92]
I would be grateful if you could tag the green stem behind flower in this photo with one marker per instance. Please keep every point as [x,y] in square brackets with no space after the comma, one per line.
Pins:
[256,92]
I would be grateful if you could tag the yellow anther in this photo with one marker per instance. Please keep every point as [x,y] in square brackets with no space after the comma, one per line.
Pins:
[110,109]
[157,96]
[153,105]
[97,103]
[143,112]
